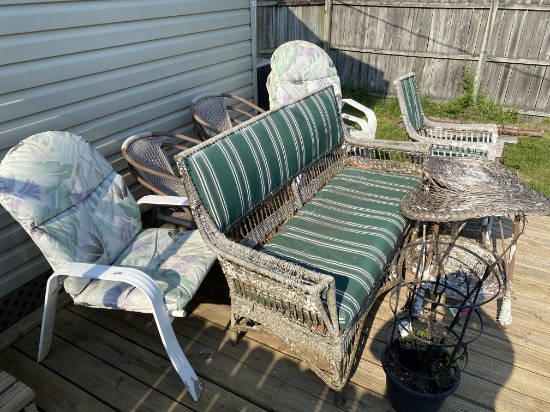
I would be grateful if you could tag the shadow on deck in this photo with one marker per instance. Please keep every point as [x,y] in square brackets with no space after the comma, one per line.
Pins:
[108,360]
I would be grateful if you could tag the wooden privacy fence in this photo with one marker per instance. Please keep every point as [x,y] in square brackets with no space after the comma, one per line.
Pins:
[505,44]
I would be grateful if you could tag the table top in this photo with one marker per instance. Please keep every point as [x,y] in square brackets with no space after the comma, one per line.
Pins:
[457,189]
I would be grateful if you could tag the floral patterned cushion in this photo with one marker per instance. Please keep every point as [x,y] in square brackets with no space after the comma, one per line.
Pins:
[298,68]
[177,261]
[77,209]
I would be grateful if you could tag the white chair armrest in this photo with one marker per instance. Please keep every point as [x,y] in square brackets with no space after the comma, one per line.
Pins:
[363,124]
[132,276]
[369,114]
[163,200]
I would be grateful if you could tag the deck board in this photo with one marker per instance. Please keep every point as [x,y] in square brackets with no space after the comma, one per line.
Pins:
[108,360]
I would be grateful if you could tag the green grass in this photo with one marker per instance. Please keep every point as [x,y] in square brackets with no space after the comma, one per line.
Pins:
[530,157]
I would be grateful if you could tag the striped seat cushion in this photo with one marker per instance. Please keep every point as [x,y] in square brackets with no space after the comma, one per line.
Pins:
[348,230]
[242,167]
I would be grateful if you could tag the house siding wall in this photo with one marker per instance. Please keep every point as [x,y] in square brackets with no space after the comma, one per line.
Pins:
[106,70]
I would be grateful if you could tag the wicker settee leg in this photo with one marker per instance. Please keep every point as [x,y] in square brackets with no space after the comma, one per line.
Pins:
[338,398]
[234,337]
[234,329]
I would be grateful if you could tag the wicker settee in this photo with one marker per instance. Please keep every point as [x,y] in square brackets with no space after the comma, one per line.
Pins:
[305,223]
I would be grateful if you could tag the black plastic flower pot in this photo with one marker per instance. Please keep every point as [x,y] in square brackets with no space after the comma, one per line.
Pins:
[404,398]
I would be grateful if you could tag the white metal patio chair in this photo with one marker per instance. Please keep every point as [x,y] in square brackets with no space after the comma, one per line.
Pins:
[81,215]
[298,68]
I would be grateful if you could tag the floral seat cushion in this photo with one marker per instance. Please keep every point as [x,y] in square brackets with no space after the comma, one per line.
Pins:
[176,260]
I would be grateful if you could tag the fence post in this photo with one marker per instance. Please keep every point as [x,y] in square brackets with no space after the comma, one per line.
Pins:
[484,47]
[327,26]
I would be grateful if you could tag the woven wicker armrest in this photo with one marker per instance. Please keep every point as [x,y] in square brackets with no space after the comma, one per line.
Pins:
[485,136]
[389,155]
[418,148]
[468,140]
[456,126]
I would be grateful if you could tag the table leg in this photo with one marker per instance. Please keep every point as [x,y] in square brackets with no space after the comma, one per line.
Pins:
[505,312]
[435,236]
[486,228]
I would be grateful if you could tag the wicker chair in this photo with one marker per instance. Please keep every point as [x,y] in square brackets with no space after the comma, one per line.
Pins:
[448,138]
[82,216]
[149,164]
[310,69]
[211,113]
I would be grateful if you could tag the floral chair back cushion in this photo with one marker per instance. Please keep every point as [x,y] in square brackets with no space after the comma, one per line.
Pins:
[298,68]
[68,199]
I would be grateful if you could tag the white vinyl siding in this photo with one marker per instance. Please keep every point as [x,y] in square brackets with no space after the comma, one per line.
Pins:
[106,70]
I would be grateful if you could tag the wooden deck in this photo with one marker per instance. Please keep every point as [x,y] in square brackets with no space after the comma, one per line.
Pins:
[107,360]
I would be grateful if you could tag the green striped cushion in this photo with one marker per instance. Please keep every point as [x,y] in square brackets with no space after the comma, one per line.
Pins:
[348,230]
[240,169]
[412,102]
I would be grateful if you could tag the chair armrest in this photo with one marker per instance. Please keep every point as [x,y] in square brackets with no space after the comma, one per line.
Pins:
[163,200]
[395,145]
[368,126]
[242,100]
[198,120]
[471,127]
[177,135]
[259,269]
[361,122]
[132,276]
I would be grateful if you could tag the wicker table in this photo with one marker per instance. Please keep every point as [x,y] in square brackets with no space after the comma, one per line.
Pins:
[455,190]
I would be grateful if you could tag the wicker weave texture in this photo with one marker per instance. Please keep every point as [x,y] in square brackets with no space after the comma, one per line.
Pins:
[148,152]
[213,113]
[149,164]
[459,189]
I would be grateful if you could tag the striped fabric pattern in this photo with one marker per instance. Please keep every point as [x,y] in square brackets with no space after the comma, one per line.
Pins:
[348,230]
[412,102]
[244,166]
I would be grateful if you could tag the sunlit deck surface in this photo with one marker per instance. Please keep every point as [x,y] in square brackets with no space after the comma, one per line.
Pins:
[108,360]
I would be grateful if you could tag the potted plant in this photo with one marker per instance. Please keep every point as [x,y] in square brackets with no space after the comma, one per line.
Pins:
[435,306]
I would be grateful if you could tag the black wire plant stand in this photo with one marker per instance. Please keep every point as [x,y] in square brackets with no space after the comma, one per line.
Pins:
[442,285]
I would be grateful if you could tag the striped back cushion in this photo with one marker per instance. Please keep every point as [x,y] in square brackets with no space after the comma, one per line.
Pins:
[241,167]
[413,108]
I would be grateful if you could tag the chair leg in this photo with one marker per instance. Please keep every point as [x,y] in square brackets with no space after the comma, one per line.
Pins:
[176,355]
[338,398]
[143,282]
[48,317]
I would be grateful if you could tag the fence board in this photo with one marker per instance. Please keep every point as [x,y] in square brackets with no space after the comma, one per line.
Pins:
[535,99]
[377,40]
[517,73]
[530,46]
